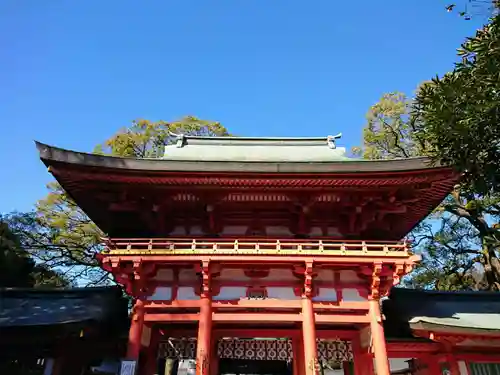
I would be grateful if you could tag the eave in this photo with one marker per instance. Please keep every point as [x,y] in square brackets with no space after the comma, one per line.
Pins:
[53,156]
[86,176]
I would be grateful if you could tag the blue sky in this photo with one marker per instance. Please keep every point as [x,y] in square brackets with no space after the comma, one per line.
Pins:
[73,72]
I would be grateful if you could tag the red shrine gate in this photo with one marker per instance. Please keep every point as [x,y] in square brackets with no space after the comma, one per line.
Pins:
[230,239]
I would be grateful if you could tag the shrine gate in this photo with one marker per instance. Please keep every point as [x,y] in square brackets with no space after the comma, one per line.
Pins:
[254,249]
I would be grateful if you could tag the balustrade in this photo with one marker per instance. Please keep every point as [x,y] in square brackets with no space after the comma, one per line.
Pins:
[255,247]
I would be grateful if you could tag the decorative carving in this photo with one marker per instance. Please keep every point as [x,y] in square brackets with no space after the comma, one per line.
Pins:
[330,140]
[307,274]
[399,271]
[205,272]
[375,284]
[308,280]
[449,340]
[136,276]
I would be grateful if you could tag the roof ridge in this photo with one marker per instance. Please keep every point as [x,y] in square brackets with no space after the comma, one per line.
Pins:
[249,138]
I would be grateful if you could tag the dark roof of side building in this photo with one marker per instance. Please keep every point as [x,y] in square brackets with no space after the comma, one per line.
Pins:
[22,308]
[410,310]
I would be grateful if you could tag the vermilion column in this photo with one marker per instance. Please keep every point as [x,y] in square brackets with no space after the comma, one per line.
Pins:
[214,363]
[378,339]
[369,364]
[309,332]
[309,326]
[357,356]
[453,365]
[298,353]
[203,352]
[151,364]
[433,366]
[135,332]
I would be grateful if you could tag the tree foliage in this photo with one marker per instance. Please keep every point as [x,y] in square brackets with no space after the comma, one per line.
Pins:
[459,242]
[460,112]
[65,236]
[17,268]
[390,129]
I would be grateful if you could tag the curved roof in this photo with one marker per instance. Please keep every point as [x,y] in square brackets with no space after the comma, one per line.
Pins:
[119,194]
[293,155]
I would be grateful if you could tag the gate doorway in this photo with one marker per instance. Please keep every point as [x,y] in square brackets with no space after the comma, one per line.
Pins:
[229,366]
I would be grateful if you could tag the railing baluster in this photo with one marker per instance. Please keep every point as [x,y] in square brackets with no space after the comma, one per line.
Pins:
[282,246]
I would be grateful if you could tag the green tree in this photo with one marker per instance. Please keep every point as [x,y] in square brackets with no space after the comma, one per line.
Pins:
[68,237]
[458,116]
[459,113]
[458,242]
[389,130]
[17,268]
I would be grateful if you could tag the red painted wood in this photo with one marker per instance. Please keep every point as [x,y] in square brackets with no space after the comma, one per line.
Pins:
[135,331]
[378,338]
[309,336]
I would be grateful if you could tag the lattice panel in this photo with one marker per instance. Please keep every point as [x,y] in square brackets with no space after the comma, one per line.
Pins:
[328,350]
[336,350]
[178,348]
[255,349]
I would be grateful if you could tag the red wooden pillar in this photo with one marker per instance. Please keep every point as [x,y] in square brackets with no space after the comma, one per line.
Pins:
[311,364]
[135,332]
[364,363]
[378,339]
[357,356]
[203,351]
[151,364]
[298,355]
[369,364]
[433,366]
[214,363]
[453,365]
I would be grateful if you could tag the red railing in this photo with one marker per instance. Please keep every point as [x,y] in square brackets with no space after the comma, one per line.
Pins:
[254,246]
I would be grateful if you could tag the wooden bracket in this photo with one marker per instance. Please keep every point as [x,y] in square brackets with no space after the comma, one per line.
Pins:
[308,279]
[375,284]
[205,271]
[399,271]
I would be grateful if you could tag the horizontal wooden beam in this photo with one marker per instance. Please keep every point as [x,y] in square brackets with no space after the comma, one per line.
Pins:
[172,304]
[168,318]
[251,333]
[285,257]
[342,319]
[260,304]
[248,260]
[404,348]
[289,283]
[257,318]
[272,332]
